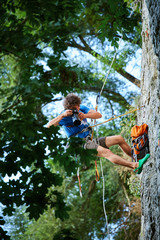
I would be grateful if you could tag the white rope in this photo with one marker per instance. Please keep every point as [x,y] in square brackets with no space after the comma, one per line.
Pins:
[104,208]
[110,67]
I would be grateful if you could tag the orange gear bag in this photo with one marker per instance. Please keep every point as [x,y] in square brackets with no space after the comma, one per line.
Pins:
[140,142]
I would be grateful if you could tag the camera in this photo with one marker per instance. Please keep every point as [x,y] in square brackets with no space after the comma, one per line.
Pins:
[75,118]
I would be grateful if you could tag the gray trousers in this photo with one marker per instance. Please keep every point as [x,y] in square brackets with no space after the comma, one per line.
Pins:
[94,143]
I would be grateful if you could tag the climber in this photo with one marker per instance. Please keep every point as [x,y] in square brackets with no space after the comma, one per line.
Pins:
[74,121]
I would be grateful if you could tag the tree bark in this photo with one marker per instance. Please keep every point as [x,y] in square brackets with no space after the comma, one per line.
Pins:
[150,86]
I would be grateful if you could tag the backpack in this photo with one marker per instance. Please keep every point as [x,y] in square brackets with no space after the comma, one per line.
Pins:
[140,142]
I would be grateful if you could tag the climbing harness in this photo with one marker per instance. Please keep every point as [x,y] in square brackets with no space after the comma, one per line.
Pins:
[108,120]
[82,131]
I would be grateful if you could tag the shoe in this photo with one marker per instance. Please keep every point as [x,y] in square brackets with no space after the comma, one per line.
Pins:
[141,162]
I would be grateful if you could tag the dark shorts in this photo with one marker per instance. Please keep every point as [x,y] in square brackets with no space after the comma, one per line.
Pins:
[94,143]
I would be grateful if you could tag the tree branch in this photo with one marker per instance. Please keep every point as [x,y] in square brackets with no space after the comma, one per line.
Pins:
[17,101]
[88,49]
[106,92]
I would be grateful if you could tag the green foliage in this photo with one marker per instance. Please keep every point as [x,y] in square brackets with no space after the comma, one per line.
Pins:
[3,233]
[44,228]
[110,19]
[126,124]
[134,185]
[65,235]
[27,147]
[17,224]
[85,213]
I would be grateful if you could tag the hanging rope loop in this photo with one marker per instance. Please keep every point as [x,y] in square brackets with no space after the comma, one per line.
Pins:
[79,181]
[97,99]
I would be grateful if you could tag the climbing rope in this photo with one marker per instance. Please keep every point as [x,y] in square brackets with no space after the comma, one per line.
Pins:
[104,208]
[97,172]
[110,67]
[112,118]
[79,181]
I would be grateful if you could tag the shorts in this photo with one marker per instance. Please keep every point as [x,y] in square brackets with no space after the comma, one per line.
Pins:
[94,143]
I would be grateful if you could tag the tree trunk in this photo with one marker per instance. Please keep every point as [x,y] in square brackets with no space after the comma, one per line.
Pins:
[150,88]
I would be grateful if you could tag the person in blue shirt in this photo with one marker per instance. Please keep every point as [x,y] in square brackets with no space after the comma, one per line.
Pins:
[72,103]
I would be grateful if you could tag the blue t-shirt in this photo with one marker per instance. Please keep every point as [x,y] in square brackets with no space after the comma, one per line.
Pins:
[71,130]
